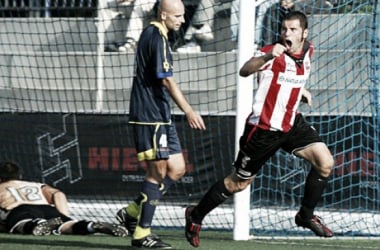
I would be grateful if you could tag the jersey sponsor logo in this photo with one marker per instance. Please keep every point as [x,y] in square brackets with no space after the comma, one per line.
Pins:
[296,81]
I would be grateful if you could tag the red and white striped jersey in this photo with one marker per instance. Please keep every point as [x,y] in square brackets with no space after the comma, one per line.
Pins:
[279,92]
[16,192]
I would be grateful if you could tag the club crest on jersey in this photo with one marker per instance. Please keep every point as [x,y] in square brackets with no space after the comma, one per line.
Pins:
[290,67]
[166,65]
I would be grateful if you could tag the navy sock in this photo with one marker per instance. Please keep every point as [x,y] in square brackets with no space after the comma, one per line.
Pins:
[151,195]
[166,184]
[139,199]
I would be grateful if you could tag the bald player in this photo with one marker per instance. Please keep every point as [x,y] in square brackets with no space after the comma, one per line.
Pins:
[155,135]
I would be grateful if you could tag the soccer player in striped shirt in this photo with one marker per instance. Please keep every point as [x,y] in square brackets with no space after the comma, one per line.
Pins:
[274,123]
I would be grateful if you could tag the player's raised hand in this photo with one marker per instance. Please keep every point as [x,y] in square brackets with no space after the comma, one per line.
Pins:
[278,49]
[195,121]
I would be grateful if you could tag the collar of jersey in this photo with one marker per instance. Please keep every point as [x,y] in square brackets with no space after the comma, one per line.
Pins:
[299,58]
[160,28]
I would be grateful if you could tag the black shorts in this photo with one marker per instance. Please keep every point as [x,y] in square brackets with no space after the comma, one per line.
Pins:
[258,145]
[156,142]
[24,212]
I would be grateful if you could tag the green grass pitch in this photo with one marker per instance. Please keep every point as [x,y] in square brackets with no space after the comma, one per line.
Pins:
[210,240]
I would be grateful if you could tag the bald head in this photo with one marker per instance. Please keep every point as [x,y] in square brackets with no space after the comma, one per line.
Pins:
[171,14]
[170,5]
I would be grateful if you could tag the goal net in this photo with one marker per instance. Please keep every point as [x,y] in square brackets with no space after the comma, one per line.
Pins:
[66,75]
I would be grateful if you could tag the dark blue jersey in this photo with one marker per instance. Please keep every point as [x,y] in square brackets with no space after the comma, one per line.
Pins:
[150,100]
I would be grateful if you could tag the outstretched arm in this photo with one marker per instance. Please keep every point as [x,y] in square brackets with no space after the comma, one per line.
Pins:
[194,119]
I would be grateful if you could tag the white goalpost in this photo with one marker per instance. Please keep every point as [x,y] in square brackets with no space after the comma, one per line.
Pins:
[244,100]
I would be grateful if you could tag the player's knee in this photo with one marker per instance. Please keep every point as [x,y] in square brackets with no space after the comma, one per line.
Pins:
[178,174]
[235,184]
[326,167]
[176,167]
[175,173]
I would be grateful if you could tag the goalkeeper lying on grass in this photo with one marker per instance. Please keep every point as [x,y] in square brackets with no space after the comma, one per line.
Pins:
[35,208]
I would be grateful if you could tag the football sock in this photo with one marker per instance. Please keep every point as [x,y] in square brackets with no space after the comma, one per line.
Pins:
[81,228]
[133,208]
[166,184]
[152,196]
[314,186]
[216,195]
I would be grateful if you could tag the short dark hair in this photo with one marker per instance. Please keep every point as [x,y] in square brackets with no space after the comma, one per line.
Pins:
[297,15]
[9,171]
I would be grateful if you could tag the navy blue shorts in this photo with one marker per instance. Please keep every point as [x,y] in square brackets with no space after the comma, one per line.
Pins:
[258,145]
[156,142]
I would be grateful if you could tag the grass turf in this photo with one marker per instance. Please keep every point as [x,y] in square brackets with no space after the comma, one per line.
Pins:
[210,240]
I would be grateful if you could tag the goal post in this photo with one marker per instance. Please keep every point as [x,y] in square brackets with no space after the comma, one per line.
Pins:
[244,94]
